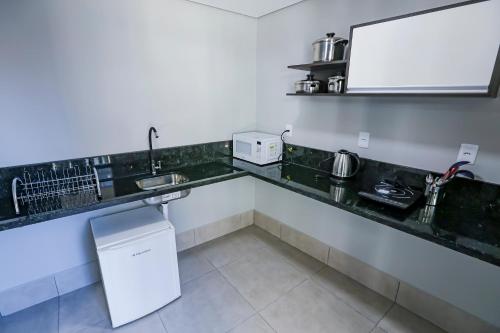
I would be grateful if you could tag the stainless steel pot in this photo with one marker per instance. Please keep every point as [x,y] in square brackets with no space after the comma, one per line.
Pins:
[308,85]
[329,48]
[345,164]
[336,84]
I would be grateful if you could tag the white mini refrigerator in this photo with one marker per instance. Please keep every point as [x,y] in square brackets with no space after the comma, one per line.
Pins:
[138,260]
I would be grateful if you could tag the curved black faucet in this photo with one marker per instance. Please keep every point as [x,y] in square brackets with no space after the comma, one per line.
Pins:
[151,160]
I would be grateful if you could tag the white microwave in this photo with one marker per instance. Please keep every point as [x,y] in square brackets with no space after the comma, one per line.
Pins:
[257,147]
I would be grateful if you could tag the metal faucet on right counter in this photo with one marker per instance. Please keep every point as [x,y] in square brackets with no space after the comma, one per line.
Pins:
[152,163]
[434,191]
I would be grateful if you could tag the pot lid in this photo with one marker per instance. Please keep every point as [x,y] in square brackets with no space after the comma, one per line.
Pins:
[330,37]
[336,77]
[310,78]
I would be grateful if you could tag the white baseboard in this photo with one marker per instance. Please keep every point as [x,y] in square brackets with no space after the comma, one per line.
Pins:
[26,295]
[440,313]
[208,232]
[77,277]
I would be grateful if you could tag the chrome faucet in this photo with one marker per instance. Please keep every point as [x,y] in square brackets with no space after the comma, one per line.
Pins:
[152,163]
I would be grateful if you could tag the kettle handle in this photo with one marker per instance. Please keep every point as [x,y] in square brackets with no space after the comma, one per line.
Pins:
[358,162]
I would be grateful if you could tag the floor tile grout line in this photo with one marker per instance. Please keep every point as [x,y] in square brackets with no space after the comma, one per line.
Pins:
[392,302]
[307,277]
[325,268]
[235,259]
[58,305]
[287,292]
[268,323]
[356,282]
[263,247]
[58,314]
[296,248]
[161,320]
[331,292]
[246,320]
[240,323]
[383,316]
[236,289]
[277,299]
[256,311]
[389,309]
[287,260]
[199,277]
[243,297]
[330,250]
[57,287]
[397,292]
[345,301]
[218,270]
[266,248]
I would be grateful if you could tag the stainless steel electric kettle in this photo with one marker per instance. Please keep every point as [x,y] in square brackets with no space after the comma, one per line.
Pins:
[345,164]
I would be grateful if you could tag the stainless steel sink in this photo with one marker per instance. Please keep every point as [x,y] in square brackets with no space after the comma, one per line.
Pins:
[162,181]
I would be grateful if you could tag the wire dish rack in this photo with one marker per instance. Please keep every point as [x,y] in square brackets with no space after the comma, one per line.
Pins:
[41,191]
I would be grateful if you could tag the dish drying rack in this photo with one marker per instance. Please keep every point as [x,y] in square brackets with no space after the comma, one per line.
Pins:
[58,188]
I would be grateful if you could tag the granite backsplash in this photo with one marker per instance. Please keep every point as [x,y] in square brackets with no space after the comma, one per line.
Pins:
[126,164]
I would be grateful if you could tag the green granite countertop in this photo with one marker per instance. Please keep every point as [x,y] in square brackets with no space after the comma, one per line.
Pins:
[120,190]
[467,220]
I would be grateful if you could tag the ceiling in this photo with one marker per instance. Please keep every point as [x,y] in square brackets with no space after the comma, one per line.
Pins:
[253,8]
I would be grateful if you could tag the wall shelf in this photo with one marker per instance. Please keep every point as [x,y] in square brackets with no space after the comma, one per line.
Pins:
[318,94]
[363,80]
[480,95]
[320,66]
[387,95]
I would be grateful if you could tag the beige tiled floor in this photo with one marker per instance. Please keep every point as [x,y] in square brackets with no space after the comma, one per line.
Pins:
[248,281]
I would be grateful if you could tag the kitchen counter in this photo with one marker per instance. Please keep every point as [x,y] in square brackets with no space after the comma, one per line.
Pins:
[467,220]
[122,190]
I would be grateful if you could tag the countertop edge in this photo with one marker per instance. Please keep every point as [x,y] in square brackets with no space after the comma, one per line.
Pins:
[27,220]
[22,221]
[464,250]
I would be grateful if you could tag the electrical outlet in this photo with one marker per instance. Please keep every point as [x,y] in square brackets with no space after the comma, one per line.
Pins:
[289,127]
[363,140]
[468,153]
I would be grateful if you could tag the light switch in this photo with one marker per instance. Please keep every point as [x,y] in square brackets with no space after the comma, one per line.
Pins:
[468,153]
[363,140]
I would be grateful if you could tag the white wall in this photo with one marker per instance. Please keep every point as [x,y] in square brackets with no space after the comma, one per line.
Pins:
[36,251]
[466,282]
[88,77]
[418,132]
[39,250]
[212,203]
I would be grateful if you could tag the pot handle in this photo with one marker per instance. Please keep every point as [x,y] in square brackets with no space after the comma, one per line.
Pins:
[358,162]
[343,40]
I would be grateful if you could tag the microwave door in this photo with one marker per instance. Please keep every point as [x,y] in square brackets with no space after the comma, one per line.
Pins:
[243,149]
